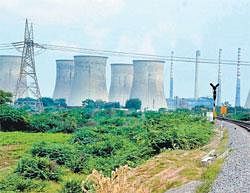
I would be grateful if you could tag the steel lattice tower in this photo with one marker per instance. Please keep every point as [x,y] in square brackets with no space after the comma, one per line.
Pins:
[27,77]
[196,83]
[237,96]
[171,91]
[219,80]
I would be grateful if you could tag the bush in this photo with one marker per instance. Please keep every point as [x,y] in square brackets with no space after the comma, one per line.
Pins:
[39,168]
[108,146]
[85,136]
[72,186]
[56,152]
[12,119]
[54,122]
[17,183]
[60,153]
[76,163]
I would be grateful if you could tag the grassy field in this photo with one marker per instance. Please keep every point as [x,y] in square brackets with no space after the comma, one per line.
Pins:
[167,170]
[13,145]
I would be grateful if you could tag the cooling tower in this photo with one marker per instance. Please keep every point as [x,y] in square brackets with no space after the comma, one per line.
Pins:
[247,105]
[9,72]
[121,83]
[89,80]
[148,84]
[64,77]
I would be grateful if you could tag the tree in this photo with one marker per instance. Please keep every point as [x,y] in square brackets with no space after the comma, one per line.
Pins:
[60,103]
[47,102]
[133,104]
[88,103]
[5,97]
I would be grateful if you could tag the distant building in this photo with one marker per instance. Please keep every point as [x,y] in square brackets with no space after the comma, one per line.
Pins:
[189,103]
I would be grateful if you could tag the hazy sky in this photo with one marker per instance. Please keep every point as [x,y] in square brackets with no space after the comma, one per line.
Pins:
[148,26]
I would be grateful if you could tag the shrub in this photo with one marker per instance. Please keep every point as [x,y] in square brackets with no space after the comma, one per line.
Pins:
[16,183]
[54,122]
[76,163]
[56,152]
[85,136]
[72,186]
[39,168]
[12,119]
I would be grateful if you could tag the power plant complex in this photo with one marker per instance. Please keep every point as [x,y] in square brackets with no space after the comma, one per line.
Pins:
[85,78]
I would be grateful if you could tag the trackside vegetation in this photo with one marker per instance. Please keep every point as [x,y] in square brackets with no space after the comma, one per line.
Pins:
[97,139]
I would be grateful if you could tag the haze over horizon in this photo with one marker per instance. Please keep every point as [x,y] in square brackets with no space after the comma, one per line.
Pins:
[153,27]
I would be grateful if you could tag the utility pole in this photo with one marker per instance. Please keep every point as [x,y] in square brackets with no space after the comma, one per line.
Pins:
[219,80]
[27,81]
[171,86]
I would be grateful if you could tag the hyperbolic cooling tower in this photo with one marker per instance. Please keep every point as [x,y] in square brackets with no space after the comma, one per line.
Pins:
[247,105]
[89,80]
[9,72]
[121,83]
[148,84]
[64,77]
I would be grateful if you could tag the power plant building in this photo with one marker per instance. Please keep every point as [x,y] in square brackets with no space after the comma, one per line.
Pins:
[121,83]
[64,77]
[148,84]
[89,80]
[9,72]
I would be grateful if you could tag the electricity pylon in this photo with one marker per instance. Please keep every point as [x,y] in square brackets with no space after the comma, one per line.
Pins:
[27,80]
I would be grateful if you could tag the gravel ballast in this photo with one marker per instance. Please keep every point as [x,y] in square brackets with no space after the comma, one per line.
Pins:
[235,174]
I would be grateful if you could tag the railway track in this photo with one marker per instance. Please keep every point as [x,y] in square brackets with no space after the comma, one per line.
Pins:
[243,124]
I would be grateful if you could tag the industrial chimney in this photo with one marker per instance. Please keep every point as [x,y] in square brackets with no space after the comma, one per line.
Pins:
[89,80]
[148,84]
[9,73]
[64,77]
[121,83]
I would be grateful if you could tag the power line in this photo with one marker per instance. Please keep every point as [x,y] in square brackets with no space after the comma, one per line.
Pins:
[52,47]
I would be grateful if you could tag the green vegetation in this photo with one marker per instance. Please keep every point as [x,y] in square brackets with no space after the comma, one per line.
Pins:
[101,139]
[209,176]
[133,104]
[5,97]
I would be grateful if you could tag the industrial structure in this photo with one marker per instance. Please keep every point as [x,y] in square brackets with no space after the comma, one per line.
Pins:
[189,103]
[121,82]
[9,73]
[247,105]
[64,77]
[27,76]
[219,80]
[237,96]
[171,83]
[89,80]
[148,84]
[196,81]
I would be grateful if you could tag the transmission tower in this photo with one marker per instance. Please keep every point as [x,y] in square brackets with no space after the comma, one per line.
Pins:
[27,81]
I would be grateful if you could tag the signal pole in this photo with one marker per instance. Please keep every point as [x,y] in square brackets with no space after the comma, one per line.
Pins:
[27,81]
